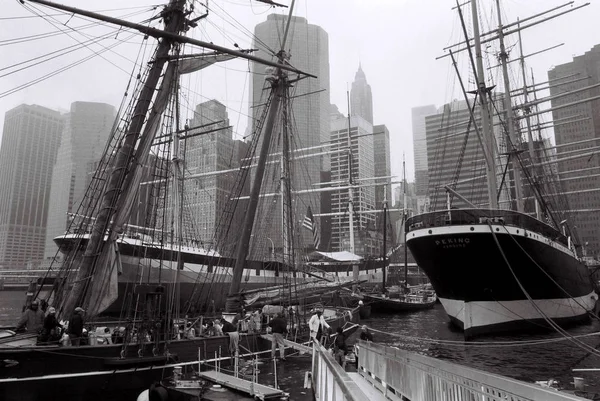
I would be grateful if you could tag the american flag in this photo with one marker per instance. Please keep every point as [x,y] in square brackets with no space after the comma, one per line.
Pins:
[310,223]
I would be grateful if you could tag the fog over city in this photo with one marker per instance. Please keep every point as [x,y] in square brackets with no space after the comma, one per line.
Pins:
[395,41]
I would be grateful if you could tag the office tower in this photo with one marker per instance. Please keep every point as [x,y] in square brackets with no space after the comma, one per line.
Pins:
[83,139]
[307,115]
[455,158]
[30,141]
[361,99]
[397,196]
[383,167]
[420,149]
[577,128]
[207,192]
[362,166]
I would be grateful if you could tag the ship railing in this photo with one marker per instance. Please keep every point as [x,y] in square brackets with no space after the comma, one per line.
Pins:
[484,217]
[330,381]
[399,375]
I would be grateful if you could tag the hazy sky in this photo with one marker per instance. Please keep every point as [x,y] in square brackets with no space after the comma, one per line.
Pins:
[395,40]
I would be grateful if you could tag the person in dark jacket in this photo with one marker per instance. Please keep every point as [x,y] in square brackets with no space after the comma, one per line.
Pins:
[365,334]
[227,327]
[76,326]
[51,331]
[339,347]
[279,328]
[32,319]
[234,337]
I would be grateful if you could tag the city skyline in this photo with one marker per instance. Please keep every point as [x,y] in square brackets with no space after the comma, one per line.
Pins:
[397,85]
[308,57]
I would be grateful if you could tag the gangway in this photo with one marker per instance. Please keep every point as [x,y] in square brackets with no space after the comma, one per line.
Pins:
[389,373]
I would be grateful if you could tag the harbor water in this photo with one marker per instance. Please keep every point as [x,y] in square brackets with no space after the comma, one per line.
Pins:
[554,358]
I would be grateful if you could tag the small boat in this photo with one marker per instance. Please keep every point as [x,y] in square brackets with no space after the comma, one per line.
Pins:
[403,300]
[403,303]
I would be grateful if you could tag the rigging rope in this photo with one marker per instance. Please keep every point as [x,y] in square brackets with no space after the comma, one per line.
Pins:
[552,324]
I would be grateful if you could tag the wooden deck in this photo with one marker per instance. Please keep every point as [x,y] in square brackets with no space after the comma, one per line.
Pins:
[255,390]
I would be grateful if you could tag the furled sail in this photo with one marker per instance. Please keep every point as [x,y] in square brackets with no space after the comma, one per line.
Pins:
[189,65]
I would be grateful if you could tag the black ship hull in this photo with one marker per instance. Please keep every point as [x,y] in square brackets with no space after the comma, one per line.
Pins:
[94,372]
[511,279]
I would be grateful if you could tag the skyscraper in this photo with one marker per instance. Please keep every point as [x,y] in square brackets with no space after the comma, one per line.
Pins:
[208,193]
[363,166]
[576,129]
[83,139]
[361,99]
[383,165]
[29,145]
[455,158]
[420,147]
[307,114]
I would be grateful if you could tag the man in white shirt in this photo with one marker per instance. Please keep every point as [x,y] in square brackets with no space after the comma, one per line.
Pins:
[317,325]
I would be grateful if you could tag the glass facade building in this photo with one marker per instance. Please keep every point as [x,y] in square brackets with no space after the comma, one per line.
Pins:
[30,141]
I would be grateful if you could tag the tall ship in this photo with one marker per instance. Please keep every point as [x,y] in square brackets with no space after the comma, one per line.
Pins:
[204,270]
[144,164]
[507,260]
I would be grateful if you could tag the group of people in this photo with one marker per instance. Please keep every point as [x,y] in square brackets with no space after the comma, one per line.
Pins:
[51,331]
[45,324]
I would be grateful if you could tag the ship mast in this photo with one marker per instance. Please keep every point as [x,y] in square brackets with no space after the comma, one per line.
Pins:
[351,198]
[123,159]
[513,142]
[487,130]
[404,217]
[530,143]
[279,85]
[286,197]
[385,206]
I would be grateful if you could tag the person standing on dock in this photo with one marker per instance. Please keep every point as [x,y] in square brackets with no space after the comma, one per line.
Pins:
[279,328]
[339,347]
[317,324]
[76,326]
[32,319]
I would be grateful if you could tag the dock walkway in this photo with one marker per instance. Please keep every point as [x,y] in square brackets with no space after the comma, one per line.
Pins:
[389,373]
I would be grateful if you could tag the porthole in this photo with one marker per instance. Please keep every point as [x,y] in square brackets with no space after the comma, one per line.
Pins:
[472,228]
[430,232]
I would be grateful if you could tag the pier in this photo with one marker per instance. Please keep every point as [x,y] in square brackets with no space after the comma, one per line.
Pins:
[389,373]
[17,279]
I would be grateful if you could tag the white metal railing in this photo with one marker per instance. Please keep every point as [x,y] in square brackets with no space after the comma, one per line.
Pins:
[398,373]
[330,381]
